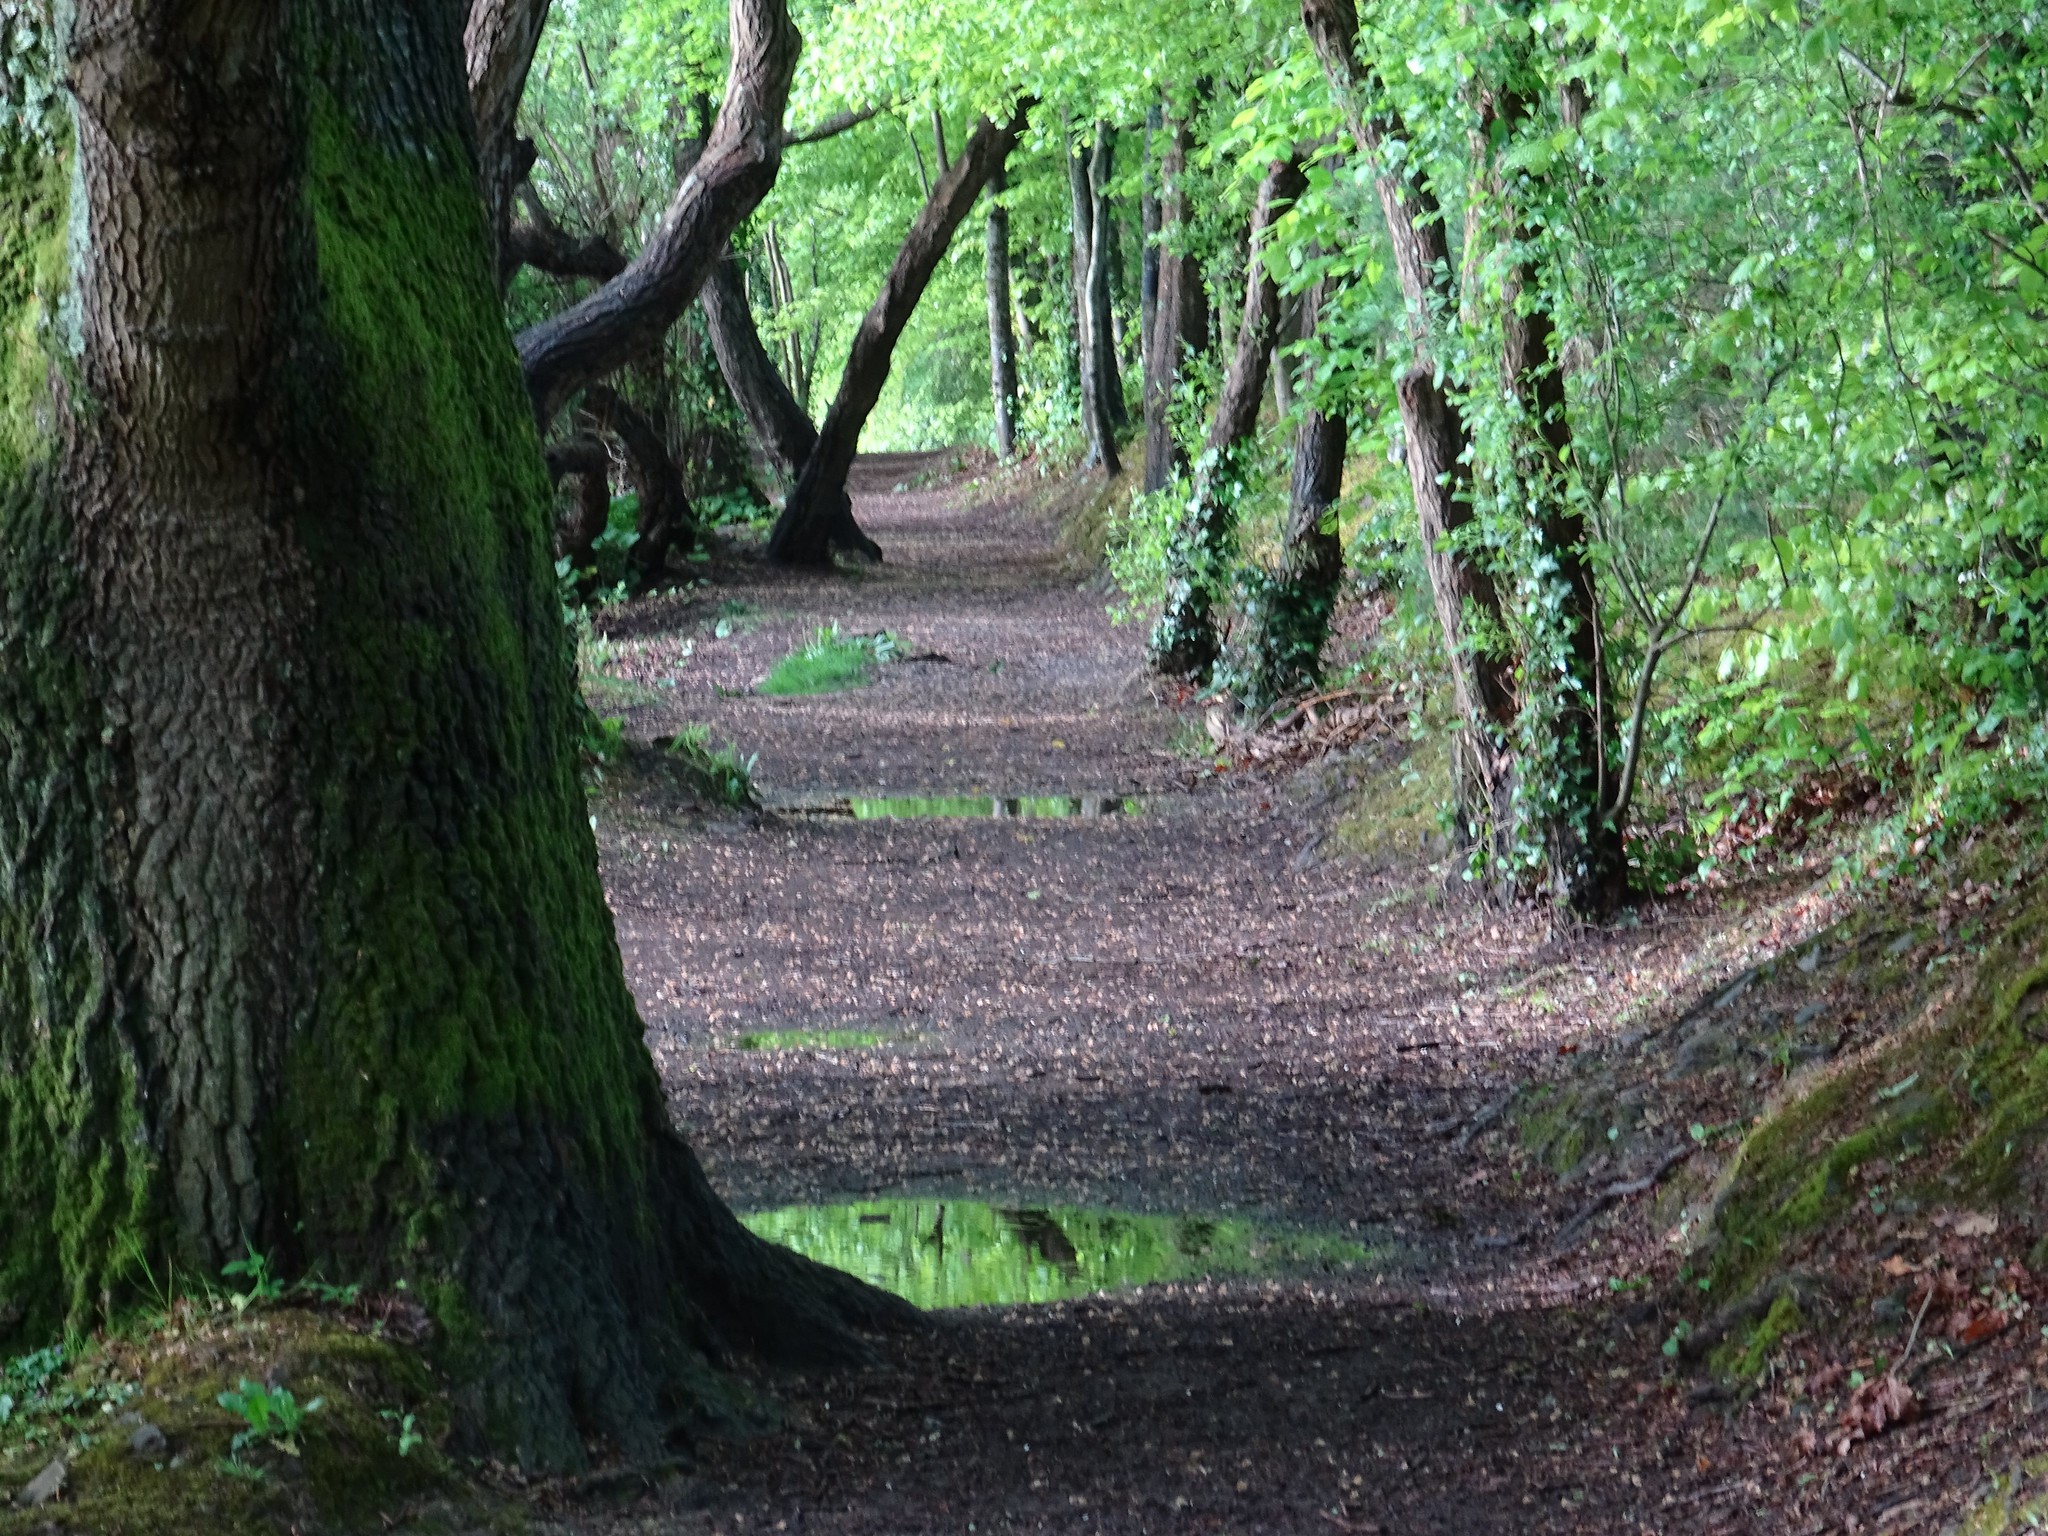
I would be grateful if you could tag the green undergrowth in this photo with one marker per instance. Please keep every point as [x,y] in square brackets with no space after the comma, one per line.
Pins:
[208,1420]
[830,662]
[1948,1109]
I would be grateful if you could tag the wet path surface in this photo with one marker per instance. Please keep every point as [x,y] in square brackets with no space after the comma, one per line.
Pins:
[1171,1012]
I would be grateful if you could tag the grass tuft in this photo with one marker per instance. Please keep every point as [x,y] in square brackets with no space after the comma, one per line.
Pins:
[829,662]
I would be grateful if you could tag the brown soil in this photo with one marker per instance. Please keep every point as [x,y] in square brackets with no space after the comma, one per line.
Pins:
[1188,1009]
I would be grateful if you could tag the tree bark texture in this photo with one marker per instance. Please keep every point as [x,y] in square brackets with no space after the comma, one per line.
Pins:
[817,510]
[1181,326]
[786,434]
[632,312]
[586,460]
[305,944]
[498,44]
[1291,617]
[1185,643]
[1433,426]
[1102,259]
[539,242]
[1002,345]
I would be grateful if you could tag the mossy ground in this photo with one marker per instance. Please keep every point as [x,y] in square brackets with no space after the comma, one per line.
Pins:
[350,1472]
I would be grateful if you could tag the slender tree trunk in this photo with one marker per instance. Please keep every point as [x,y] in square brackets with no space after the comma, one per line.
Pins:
[1148,258]
[785,433]
[1002,347]
[1180,328]
[1291,617]
[632,312]
[1095,425]
[1109,384]
[1184,642]
[306,946]
[818,509]
[1439,459]
[498,44]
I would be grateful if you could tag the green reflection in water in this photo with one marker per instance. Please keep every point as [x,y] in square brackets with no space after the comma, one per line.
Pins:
[962,1253]
[986,807]
[811,1040]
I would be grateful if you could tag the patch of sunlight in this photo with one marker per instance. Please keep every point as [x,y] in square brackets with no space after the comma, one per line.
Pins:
[964,1253]
[811,1040]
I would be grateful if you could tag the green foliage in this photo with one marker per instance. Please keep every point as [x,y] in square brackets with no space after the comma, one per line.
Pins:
[829,662]
[273,1416]
[721,773]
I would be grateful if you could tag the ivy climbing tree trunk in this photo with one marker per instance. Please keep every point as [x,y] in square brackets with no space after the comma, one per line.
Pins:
[1180,328]
[305,945]
[817,510]
[1291,613]
[1184,642]
[1433,428]
[1002,344]
[738,164]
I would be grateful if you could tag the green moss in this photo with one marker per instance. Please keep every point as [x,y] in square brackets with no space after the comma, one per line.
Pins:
[2018,1501]
[1745,1359]
[34,273]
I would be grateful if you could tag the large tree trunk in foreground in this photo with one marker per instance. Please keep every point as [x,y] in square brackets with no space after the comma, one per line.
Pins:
[630,314]
[785,433]
[818,511]
[1291,616]
[1181,326]
[1002,345]
[498,44]
[305,943]
[1439,458]
[1184,642]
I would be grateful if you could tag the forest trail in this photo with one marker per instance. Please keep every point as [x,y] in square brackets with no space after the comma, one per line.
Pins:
[1172,1011]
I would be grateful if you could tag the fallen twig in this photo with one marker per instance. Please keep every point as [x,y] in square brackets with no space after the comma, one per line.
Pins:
[1569,1232]
[1483,1119]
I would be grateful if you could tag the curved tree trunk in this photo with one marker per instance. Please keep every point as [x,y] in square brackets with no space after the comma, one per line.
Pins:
[1181,326]
[1292,615]
[1002,346]
[305,942]
[666,521]
[631,313]
[1184,642]
[818,511]
[584,459]
[1439,457]
[785,433]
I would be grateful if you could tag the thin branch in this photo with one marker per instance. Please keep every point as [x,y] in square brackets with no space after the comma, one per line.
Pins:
[833,126]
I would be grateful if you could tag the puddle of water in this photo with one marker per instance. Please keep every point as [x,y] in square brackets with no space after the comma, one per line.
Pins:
[812,1040]
[963,1253]
[986,807]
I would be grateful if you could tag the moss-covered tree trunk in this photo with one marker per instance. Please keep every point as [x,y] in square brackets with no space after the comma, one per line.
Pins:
[302,943]
[1185,642]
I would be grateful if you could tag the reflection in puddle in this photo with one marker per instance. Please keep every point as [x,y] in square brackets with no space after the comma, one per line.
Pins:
[811,1040]
[963,1253]
[969,807]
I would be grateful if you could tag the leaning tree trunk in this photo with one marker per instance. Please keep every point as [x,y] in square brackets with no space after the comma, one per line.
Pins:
[629,315]
[1180,328]
[1184,642]
[305,946]
[818,510]
[1439,448]
[785,433]
[1002,345]
[1291,613]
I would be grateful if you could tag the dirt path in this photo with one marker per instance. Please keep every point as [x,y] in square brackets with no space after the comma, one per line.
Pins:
[1177,1011]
